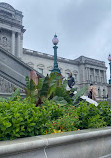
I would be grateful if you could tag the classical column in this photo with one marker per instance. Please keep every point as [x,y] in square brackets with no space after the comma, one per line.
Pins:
[13,42]
[21,45]
[87,73]
[105,79]
[83,70]
[94,76]
[99,76]
[18,45]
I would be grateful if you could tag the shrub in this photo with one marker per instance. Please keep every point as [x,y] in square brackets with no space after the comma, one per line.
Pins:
[17,119]
[91,116]
[61,92]
[69,121]
[96,122]
[105,112]
[22,119]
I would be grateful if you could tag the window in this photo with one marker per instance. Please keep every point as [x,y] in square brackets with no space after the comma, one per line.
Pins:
[31,64]
[99,92]
[40,70]
[101,79]
[66,75]
[104,93]
[97,72]
[91,78]
[96,78]
[75,77]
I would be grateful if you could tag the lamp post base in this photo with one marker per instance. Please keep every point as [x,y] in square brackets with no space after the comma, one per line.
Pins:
[56,70]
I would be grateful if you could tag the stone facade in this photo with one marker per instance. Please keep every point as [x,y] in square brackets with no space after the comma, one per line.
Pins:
[13,72]
[11,29]
[85,70]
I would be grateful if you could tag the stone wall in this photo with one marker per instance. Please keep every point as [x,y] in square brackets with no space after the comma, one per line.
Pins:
[13,72]
[85,70]
[8,87]
[93,143]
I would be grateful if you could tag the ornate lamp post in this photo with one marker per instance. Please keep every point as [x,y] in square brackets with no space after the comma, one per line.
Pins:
[55,42]
[109,58]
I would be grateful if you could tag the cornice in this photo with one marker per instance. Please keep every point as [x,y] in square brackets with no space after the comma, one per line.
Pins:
[47,56]
[77,61]
[11,22]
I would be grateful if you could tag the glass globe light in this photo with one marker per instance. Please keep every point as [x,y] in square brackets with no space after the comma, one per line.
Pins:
[55,40]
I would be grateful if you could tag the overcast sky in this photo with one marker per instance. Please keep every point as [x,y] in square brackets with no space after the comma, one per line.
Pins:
[83,27]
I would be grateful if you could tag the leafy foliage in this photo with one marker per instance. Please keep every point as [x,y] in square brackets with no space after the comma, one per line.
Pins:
[49,87]
[105,112]
[59,100]
[91,116]
[55,81]
[57,113]
[14,95]
[69,121]
[30,87]
[64,84]
[44,89]
[21,118]
[77,96]
[61,92]
[2,99]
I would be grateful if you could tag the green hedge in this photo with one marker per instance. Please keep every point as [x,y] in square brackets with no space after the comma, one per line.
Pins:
[21,118]
[91,116]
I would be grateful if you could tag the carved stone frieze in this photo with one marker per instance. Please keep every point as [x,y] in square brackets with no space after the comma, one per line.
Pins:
[7,87]
[5,40]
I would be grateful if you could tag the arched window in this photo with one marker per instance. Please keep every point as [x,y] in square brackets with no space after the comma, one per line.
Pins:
[40,68]
[31,64]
